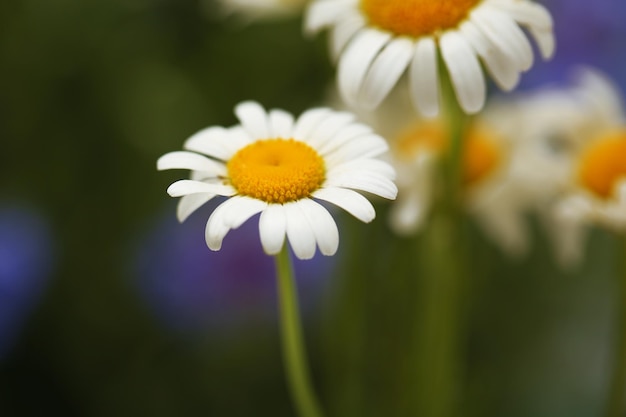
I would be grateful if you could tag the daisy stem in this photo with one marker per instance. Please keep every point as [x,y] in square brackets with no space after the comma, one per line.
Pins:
[616,405]
[294,354]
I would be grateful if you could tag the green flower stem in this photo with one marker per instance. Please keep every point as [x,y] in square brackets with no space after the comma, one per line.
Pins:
[294,353]
[616,405]
[439,325]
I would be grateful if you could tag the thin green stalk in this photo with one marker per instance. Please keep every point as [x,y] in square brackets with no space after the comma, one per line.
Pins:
[616,405]
[294,354]
[439,325]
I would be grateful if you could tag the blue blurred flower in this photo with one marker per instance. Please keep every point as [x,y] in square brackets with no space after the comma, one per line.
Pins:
[590,33]
[189,288]
[26,257]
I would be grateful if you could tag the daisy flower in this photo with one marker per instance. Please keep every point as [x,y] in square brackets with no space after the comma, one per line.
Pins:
[377,41]
[278,166]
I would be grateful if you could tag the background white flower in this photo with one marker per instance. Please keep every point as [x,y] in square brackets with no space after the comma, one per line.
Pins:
[376,41]
[277,166]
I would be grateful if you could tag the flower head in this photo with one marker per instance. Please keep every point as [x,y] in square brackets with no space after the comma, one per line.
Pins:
[277,166]
[377,40]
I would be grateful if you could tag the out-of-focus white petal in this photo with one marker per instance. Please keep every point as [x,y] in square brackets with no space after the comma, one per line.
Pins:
[343,32]
[217,142]
[424,78]
[281,124]
[385,71]
[253,118]
[356,61]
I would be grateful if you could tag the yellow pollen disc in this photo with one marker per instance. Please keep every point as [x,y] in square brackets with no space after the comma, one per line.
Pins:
[481,150]
[603,163]
[276,170]
[416,17]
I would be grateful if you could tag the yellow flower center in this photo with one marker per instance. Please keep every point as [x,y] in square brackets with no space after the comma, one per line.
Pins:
[416,17]
[276,170]
[481,150]
[603,164]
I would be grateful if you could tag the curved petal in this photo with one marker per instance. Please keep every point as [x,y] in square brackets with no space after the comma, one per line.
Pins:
[190,203]
[321,14]
[343,136]
[281,124]
[501,68]
[349,200]
[356,60]
[503,31]
[185,187]
[217,142]
[191,161]
[364,181]
[307,122]
[465,72]
[253,119]
[330,126]
[299,231]
[374,166]
[424,78]
[323,226]
[365,146]
[216,230]
[242,208]
[272,228]
[343,32]
[385,71]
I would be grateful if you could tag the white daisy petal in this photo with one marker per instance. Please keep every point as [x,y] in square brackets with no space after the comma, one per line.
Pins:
[424,78]
[242,209]
[545,41]
[191,161]
[325,131]
[349,200]
[216,230]
[253,119]
[343,32]
[465,72]
[185,187]
[322,14]
[272,228]
[307,122]
[356,60]
[374,166]
[190,203]
[345,135]
[385,71]
[299,231]
[502,30]
[500,67]
[366,146]
[217,142]
[281,124]
[363,181]
[527,13]
[323,226]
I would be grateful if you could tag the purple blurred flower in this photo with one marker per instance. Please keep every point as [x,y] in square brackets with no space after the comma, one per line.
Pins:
[189,287]
[26,258]
[590,33]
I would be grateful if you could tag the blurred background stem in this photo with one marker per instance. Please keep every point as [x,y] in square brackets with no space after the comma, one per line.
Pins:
[294,353]
[439,334]
[617,390]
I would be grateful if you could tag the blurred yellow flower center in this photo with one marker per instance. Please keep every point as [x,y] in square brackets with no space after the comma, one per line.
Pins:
[416,17]
[276,170]
[481,150]
[603,164]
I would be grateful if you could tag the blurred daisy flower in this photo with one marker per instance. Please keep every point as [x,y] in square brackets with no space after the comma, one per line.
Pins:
[262,9]
[377,40]
[595,193]
[279,166]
